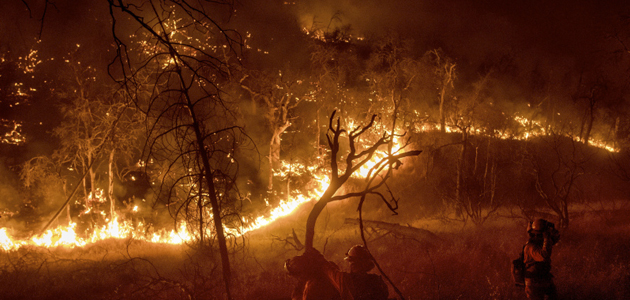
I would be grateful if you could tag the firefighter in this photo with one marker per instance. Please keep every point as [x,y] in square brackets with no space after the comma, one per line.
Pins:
[357,284]
[536,257]
[312,281]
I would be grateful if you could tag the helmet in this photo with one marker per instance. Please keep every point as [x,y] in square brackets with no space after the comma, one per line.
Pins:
[360,259]
[357,253]
[537,226]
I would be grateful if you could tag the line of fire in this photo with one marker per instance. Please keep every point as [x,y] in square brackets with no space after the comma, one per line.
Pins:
[186,149]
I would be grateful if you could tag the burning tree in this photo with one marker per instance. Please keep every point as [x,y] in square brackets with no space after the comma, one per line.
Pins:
[445,71]
[392,70]
[279,96]
[98,127]
[173,68]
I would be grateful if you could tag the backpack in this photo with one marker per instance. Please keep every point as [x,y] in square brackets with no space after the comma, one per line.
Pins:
[518,270]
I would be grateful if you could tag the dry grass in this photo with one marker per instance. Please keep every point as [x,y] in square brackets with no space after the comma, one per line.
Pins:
[590,262]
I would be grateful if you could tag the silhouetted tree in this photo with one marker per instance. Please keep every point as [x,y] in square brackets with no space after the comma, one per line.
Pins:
[558,163]
[173,67]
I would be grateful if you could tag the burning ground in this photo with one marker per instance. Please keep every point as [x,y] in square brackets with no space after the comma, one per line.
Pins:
[171,149]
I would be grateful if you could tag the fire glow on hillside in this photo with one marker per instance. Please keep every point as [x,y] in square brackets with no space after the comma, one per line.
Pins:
[118,228]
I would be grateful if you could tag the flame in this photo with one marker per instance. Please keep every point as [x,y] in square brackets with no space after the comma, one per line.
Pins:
[121,229]
[5,241]
[14,136]
[117,228]
[285,208]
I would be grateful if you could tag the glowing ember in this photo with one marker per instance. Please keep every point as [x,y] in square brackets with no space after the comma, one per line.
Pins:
[14,136]
[121,229]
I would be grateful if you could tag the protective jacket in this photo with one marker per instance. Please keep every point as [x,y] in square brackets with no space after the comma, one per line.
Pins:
[537,259]
[322,279]
[312,282]
[538,279]
[357,286]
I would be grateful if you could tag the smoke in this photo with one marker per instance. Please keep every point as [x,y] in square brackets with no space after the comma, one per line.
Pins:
[472,31]
[11,198]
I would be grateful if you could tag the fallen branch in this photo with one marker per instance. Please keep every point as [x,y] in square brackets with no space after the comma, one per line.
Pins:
[418,234]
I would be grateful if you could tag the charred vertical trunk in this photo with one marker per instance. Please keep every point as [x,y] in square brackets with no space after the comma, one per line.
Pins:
[442,116]
[317,142]
[200,209]
[461,165]
[274,155]
[65,193]
[207,173]
[589,124]
[110,190]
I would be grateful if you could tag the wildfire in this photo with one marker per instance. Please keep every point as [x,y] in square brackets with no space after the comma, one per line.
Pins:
[117,228]
[284,208]
[14,136]
[67,236]
[122,229]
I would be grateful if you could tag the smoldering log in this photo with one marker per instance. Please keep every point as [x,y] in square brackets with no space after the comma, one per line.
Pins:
[419,234]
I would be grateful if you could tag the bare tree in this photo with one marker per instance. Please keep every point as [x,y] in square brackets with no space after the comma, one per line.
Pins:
[279,97]
[91,111]
[390,74]
[355,159]
[474,194]
[445,71]
[335,66]
[592,95]
[98,129]
[44,178]
[173,67]
[375,181]
[557,167]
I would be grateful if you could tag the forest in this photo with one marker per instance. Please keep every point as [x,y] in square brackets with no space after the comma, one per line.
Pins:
[178,149]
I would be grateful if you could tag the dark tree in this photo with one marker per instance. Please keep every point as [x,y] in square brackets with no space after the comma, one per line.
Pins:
[173,67]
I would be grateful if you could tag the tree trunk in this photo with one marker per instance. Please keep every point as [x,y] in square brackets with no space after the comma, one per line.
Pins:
[274,150]
[110,191]
[460,168]
[92,177]
[274,156]
[317,209]
[589,125]
[442,117]
[320,158]
[85,191]
[216,210]
[394,117]
[65,193]
[200,208]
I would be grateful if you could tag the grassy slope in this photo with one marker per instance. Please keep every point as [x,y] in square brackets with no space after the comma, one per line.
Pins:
[590,262]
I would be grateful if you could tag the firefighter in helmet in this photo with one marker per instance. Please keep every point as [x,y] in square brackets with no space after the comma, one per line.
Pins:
[536,257]
[357,284]
[312,281]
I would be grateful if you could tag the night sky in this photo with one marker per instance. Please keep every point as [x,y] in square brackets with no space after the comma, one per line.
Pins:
[544,32]
[557,53]
[560,37]
[563,34]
